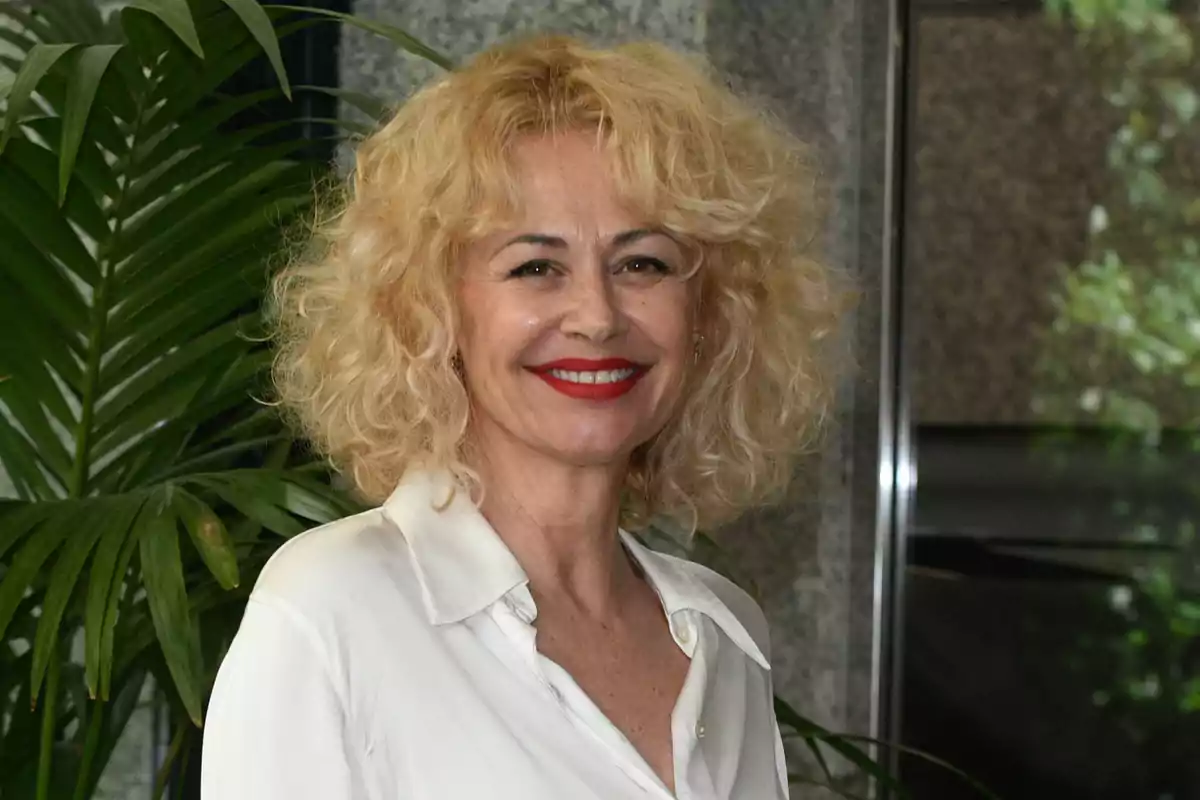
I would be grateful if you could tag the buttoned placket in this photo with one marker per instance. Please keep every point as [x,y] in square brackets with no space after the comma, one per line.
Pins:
[692,778]
[515,615]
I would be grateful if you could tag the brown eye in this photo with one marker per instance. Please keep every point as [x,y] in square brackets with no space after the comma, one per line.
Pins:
[645,265]
[532,269]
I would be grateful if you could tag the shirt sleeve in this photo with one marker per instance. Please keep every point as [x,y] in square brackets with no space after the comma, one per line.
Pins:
[275,727]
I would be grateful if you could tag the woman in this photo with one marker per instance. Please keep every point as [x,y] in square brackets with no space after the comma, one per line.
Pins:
[568,291]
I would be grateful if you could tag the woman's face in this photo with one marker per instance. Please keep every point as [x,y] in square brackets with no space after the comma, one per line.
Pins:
[577,323]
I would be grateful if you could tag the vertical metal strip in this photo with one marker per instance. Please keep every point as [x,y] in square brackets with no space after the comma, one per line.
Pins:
[897,469]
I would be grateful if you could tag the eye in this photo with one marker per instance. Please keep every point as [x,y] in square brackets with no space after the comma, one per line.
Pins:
[645,265]
[537,268]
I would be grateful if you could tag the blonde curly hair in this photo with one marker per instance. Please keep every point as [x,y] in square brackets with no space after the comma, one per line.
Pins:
[366,318]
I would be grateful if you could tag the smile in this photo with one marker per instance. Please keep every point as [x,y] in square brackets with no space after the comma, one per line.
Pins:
[600,376]
[586,379]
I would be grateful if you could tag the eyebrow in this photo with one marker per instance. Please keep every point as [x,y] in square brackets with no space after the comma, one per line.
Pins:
[547,240]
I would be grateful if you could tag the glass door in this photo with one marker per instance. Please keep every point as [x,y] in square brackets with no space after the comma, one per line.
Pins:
[1048,626]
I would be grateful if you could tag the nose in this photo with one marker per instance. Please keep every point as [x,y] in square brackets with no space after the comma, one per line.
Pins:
[594,312]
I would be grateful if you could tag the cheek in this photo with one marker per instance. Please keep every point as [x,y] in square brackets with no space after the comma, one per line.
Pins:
[666,319]
[481,324]
[468,318]
[497,322]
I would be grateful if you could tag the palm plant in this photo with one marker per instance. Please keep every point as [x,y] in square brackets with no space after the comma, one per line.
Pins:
[137,227]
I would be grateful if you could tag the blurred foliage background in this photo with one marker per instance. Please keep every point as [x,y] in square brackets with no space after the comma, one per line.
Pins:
[1133,306]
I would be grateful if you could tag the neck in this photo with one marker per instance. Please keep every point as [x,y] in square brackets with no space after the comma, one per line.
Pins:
[560,522]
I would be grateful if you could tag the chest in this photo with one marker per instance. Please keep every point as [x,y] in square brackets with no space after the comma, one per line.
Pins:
[472,713]
[633,674]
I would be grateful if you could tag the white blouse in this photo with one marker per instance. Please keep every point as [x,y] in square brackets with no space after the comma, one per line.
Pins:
[391,656]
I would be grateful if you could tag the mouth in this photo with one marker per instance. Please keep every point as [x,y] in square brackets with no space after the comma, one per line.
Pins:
[591,379]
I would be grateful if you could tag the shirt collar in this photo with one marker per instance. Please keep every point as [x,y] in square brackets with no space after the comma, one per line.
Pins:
[680,588]
[464,566]
[461,562]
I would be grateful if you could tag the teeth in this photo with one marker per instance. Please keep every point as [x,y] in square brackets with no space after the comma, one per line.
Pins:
[598,376]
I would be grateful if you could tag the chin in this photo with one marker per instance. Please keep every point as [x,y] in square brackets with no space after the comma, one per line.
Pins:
[581,452]
[590,456]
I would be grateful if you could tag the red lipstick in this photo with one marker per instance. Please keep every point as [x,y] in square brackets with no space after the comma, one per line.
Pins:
[609,390]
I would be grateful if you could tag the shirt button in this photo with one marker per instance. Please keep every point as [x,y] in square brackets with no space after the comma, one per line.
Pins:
[683,633]
[699,730]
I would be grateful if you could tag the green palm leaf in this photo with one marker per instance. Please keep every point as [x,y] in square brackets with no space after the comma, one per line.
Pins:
[181,92]
[48,289]
[108,624]
[176,15]
[371,106]
[24,465]
[814,736]
[259,25]
[21,41]
[400,37]
[250,505]
[61,586]
[40,544]
[116,529]
[37,63]
[30,23]
[209,537]
[51,452]
[138,233]
[37,217]
[16,521]
[90,165]
[77,21]
[162,573]
[81,93]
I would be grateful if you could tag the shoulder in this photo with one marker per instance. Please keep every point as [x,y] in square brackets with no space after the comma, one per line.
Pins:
[324,554]
[341,568]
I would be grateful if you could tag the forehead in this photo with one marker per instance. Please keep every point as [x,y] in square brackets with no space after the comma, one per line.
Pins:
[566,176]
[534,153]
[572,184]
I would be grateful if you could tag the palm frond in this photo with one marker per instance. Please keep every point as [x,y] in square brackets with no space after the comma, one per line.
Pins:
[139,231]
